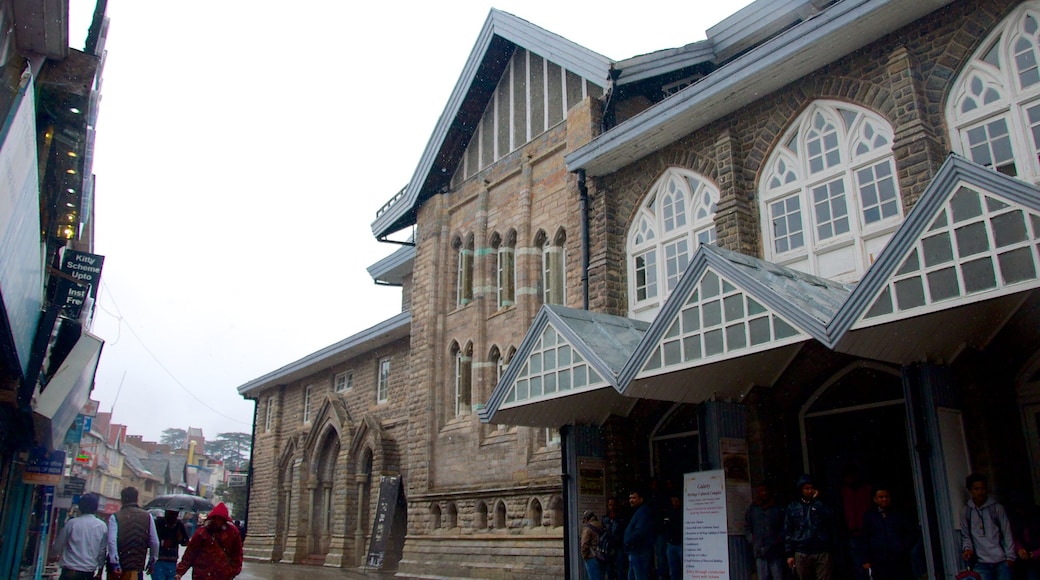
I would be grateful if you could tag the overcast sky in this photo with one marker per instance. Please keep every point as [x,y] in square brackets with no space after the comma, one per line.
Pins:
[243,148]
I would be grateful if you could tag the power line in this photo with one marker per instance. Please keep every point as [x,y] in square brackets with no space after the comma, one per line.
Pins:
[122,320]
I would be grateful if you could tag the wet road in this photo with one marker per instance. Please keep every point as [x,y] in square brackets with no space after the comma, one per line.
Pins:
[268,571]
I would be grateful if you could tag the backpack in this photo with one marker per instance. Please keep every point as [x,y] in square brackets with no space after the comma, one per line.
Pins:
[596,549]
[606,549]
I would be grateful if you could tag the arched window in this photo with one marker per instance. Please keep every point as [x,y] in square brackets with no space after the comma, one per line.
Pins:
[453,515]
[464,279]
[534,513]
[435,516]
[463,377]
[554,267]
[556,511]
[829,194]
[500,515]
[505,267]
[994,107]
[677,216]
[482,516]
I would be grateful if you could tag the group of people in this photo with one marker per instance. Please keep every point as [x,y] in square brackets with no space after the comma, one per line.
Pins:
[645,544]
[804,535]
[132,544]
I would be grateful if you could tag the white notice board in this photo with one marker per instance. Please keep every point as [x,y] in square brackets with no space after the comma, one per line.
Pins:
[705,544]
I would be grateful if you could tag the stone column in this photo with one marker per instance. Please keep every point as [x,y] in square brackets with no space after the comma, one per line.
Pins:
[359,529]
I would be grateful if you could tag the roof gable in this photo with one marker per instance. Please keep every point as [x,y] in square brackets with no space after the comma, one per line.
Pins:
[501,34]
[973,235]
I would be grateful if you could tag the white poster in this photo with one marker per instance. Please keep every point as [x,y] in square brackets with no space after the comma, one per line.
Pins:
[705,545]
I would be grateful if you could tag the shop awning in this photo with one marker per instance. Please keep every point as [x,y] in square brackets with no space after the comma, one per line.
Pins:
[56,406]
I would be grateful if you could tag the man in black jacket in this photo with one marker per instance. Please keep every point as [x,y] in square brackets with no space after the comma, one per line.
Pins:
[809,533]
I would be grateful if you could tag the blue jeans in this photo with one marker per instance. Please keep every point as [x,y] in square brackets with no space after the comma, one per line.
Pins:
[994,571]
[639,565]
[164,570]
[674,553]
[592,569]
[770,568]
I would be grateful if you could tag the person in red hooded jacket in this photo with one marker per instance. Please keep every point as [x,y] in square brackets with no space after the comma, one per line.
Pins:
[215,551]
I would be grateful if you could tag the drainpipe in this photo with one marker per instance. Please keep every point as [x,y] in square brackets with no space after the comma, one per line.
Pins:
[583,192]
[249,473]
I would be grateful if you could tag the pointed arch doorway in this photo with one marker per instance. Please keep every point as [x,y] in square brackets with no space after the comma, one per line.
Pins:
[855,424]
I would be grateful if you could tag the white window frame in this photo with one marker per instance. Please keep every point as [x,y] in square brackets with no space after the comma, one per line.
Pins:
[383,380]
[989,88]
[836,160]
[269,414]
[676,216]
[505,268]
[308,396]
[343,381]
[554,272]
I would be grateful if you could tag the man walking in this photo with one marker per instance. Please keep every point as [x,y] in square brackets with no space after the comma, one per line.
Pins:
[133,544]
[986,538]
[83,543]
[172,533]
[764,530]
[215,551]
[809,533]
[639,537]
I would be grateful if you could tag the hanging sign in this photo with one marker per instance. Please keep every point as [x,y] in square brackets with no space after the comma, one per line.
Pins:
[44,468]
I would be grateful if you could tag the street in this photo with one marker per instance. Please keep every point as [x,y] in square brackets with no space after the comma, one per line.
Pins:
[269,571]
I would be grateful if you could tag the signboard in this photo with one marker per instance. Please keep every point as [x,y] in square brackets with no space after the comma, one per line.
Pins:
[390,497]
[75,485]
[85,268]
[738,483]
[44,468]
[75,433]
[592,485]
[705,543]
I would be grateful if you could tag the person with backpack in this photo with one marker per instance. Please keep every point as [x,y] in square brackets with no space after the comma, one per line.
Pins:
[986,541]
[215,551]
[591,531]
[610,541]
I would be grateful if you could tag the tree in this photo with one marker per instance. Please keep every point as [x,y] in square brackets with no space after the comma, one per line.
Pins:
[175,438]
[231,448]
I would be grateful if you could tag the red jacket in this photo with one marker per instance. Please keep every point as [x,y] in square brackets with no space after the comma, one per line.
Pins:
[213,554]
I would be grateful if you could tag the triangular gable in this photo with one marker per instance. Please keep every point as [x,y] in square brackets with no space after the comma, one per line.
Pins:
[728,305]
[501,34]
[974,235]
[565,352]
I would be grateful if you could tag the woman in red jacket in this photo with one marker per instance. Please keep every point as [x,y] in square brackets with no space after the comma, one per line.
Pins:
[215,551]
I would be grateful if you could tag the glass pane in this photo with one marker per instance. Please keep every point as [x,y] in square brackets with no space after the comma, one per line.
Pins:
[710,284]
[565,355]
[653,362]
[937,250]
[692,347]
[942,284]
[734,306]
[713,343]
[759,330]
[536,363]
[672,354]
[712,313]
[754,307]
[883,305]
[673,330]
[691,319]
[971,239]
[735,337]
[965,205]
[782,329]
[564,378]
[1009,228]
[1017,265]
[536,386]
[910,265]
[550,383]
[979,275]
[581,373]
[909,293]
[523,390]
[549,360]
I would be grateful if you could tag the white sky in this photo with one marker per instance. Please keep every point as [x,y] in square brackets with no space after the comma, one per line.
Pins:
[243,148]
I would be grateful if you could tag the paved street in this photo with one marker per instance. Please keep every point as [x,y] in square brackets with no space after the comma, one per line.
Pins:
[268,571]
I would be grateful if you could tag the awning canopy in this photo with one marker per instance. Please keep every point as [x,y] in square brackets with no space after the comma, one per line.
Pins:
[56,406]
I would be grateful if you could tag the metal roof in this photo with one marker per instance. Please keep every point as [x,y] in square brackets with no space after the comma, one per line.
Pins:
[837,31]
[501,34]
[384,333]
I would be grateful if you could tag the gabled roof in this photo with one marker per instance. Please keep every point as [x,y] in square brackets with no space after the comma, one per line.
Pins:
[837,31]
[567,368]
[725,308]
[501,34]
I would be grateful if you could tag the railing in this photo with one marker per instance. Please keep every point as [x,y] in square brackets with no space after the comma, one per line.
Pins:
[393,200]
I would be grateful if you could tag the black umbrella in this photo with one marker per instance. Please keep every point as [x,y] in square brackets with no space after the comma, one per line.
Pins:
[181,502]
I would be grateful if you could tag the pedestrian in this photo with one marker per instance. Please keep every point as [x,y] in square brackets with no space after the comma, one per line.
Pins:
[888,540]
[616,567]
[172,534]
[673,536]
[639,537]
[764,530]
[1025,528]
[591,530]
[215,551]
[987,544]
[809,533]
[82,543]
[133,544]
[855,502]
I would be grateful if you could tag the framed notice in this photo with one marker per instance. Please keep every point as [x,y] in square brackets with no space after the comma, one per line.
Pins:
[705,542]
[736,465]
[592,485]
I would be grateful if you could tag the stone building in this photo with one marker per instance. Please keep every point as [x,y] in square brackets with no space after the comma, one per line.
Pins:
[805,244]
[865,307]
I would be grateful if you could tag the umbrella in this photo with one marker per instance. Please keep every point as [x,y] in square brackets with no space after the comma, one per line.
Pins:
[180,502]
